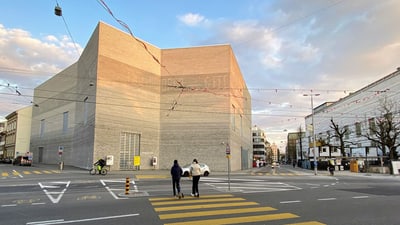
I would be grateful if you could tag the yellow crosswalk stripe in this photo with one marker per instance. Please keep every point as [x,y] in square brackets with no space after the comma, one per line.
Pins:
[4,174]
[36,172]
[203,196]
[307,223]
[215,212]
[46,172]
[26,172]
[197,201]
[204,206]
[236,220]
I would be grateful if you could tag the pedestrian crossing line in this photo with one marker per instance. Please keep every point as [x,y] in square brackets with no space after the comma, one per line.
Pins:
[307,223]
[236,220]
[204,206]
[203,196]
[16,173]
[26,172]
[215,212]
[275,174]
[138,177]
[197,201]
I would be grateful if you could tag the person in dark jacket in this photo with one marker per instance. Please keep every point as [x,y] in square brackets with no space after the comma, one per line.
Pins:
[176,173]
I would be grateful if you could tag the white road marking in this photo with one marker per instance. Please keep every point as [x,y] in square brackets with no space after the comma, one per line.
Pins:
[62,221]
[51,194]
[39,203]
[111,190]
[326,199]
[358,197]
[18,174]
[288,202]
[11,205]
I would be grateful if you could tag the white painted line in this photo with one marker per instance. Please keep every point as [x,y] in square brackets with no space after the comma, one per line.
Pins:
[58,194]
[48,186]
[49,222]
[45,222]
[18,174]
[326,199]
[288,202]
[11,205]
[112,193]
[39,203]
[358,197]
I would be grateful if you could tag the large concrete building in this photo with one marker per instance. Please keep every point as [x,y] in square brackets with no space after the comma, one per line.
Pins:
[126,99]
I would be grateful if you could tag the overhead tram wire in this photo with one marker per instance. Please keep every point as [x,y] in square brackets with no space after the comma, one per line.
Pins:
[58,12]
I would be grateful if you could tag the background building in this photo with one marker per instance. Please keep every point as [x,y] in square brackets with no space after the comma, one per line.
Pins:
[125,99]
[18,133]
[259,146]
[3,124]
[356,114]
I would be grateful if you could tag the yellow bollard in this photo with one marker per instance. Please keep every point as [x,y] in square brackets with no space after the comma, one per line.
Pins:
[127,186]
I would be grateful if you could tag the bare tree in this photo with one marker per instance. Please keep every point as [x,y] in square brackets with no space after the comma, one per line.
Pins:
[386,131]
[339,132]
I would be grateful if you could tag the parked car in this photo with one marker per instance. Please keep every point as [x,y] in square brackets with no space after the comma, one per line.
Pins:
[205,170]
[275,164]
[22,161]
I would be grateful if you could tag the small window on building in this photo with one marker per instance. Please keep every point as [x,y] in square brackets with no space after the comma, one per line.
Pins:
[85,111]
[65,122]
[372,126]
[42,127]
[233,118]
[358,128]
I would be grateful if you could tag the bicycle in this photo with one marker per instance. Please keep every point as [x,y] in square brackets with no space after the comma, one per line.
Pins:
[95,170]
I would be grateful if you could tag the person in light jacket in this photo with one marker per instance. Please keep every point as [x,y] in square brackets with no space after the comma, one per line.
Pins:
[176,172]
[195,172]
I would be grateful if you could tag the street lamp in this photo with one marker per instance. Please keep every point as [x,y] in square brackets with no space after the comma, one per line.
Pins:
[313,129]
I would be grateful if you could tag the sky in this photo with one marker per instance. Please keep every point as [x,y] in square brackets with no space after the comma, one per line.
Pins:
[285,48]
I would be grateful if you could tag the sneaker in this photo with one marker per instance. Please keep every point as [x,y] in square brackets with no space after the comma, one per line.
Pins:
[192,194]
[176,196]
[197,195]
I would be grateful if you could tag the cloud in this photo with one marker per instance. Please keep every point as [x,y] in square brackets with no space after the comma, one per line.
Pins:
[330,47]
[27,61]
[192,19]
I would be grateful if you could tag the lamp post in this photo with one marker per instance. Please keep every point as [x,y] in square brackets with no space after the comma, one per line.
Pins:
[313,129]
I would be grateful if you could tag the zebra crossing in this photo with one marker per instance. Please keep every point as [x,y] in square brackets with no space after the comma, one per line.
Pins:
[21,173]
[220,209]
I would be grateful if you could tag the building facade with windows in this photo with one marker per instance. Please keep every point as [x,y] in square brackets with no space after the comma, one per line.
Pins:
[17,133]
[139,106]
[357,114]
[259,146]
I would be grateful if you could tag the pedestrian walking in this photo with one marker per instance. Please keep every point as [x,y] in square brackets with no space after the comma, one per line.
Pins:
[195,172]
[176,172]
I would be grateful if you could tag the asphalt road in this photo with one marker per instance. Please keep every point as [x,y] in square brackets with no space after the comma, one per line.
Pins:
[44,195]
